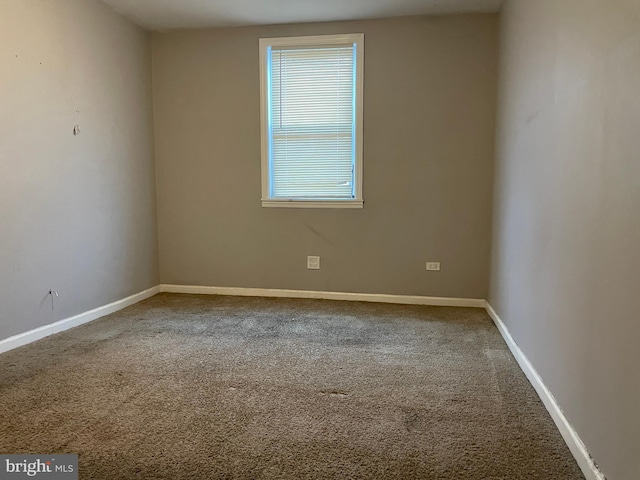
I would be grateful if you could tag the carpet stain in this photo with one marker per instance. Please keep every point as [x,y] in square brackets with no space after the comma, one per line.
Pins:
[334,393]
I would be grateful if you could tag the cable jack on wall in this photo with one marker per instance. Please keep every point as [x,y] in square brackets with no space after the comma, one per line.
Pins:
[52,293]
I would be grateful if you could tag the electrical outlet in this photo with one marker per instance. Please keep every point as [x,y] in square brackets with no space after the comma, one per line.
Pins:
[313,263]
[433,266]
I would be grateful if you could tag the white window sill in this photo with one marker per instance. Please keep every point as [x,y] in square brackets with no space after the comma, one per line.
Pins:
[313,203]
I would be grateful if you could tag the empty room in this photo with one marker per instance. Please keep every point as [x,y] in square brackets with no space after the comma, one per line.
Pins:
[297,239]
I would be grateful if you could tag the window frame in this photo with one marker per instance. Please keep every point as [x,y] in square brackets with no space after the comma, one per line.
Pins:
[356,39]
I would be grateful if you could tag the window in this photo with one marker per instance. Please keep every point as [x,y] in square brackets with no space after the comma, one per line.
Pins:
[311,118]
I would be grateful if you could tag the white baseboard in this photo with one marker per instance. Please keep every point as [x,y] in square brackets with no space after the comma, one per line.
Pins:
[356,297]
[67,323]
[573,441]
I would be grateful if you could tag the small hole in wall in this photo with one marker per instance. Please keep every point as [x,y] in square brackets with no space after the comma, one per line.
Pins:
[76,129]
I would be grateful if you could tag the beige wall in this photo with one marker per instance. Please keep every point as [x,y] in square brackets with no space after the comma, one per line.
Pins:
[566,253]
[428,162]
[77,213]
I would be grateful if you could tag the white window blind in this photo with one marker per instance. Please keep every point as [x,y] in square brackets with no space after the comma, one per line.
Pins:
[312,122]
[311,113]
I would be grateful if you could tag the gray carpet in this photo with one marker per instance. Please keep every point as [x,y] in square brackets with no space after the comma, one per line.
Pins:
[187,386]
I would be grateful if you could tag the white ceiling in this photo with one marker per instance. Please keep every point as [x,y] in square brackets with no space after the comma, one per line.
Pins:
[166,14]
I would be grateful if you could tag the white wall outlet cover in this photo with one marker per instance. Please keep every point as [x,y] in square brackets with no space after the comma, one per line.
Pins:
[313,263]
[433,266]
